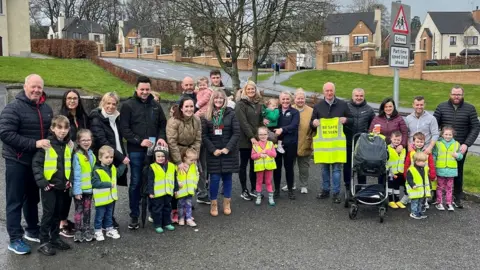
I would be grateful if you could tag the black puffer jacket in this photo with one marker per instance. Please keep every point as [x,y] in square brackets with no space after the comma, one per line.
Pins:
[59,178]
[464,120]
[103,134]
[249,116]
[229,139]
[140,120]
[22,123]
[362,115]
[339,108]
[82,122]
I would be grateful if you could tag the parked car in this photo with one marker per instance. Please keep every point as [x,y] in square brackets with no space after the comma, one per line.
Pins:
[427,63]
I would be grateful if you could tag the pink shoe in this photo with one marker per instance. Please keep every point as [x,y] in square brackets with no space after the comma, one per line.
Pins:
[174,216]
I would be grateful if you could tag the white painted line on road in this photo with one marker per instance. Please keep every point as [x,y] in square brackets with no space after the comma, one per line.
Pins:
[136,70]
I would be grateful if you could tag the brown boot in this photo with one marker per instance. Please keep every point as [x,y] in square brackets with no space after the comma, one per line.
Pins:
[226,206]
[213,208]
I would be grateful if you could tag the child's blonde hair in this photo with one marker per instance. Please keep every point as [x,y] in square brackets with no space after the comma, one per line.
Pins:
[60,120]
[420,156]
[202,79]
[190,151]
[271,100]
[445,128]
[82,132]
[105,150]
[264,128]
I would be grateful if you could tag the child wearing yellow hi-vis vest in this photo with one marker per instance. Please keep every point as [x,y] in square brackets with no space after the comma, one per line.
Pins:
[187,184]
[105,194]
[446,154]
[418,185]
[160,189]
[395,165]
[52,170]
[264,155]
[83,162]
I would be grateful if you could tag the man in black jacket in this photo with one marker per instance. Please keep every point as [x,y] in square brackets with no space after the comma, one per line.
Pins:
[143,124]
[462,116]
[24,125]
[330,107]
[363,115]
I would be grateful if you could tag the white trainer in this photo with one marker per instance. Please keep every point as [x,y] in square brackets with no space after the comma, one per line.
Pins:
[99,236]
[113,234]
[440,207]
[285,188]
[304,190]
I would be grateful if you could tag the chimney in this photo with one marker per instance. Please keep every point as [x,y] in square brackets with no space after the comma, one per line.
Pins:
[476,15]
[377,37]
[60,26]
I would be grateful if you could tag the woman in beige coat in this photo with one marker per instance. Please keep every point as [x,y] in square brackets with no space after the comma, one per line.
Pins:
[184,131]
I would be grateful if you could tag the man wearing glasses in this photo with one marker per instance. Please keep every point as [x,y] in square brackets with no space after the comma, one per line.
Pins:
[462,116]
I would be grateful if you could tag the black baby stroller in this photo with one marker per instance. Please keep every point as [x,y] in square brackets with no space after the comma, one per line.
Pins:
[369,158]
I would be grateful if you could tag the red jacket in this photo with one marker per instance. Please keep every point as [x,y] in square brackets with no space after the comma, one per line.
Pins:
[432,174]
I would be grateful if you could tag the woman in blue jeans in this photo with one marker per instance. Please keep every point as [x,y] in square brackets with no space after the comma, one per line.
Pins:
[220,134]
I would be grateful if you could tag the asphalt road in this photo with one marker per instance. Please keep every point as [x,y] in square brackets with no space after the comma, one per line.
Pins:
[301,234]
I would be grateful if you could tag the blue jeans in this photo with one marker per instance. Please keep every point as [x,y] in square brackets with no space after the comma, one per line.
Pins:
[103,215]
[22,193]
[336,174]
[134,190]
[416,206]
[215,183]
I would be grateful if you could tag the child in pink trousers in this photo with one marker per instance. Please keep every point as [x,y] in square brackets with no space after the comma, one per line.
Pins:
[264,155]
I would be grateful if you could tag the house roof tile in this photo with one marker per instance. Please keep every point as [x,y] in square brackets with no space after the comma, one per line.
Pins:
[453,22]
[344,23]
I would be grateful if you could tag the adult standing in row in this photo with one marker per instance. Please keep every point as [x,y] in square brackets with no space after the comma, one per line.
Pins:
[304,150]
[287,132]
[249,114]
[24,125]
[362,115]
[184,131]
[220,134]
[105,127]
[422,121]
[390,120]
[143,125]
[462,116]
[72,108]
[330,107]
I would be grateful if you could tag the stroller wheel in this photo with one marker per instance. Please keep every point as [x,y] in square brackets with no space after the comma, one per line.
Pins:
[352,213]
[381,213]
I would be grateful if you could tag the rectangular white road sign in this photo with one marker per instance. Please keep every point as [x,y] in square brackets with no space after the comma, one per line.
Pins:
[399,57]
[400,39]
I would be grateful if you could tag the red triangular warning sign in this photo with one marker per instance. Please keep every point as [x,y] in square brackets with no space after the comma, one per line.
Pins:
[400,24]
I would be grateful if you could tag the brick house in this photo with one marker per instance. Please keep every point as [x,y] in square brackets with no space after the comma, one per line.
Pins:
[14,28]
[348,30]
[131,33]
[449,34]
[74,28]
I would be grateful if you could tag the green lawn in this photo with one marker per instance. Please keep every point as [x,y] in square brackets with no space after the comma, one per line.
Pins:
[377,88]
[471,172]
[264,76]
[67,73]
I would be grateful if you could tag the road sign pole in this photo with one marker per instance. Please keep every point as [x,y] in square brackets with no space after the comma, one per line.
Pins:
[396,87]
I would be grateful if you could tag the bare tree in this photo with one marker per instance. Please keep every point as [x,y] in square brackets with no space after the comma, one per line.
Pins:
[48,8]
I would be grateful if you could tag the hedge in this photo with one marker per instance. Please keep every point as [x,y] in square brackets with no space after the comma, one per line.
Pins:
[65,48]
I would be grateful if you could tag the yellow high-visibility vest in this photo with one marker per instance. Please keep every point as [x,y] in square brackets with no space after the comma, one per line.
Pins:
[396,162]
[105,196]
[421,181]
[86,171]
[50,163]
[264,164]
[329,144]
[444,157]
[189,180]
[164,182]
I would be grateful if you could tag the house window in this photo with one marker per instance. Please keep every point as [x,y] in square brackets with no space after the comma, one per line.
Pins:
[357,40]
[337,41]
[425,44]
[303,50]
[132,41]
[472,40]
[77,36]
[453,55]
[150,42]
[453,40]
[356,56]
[96,38]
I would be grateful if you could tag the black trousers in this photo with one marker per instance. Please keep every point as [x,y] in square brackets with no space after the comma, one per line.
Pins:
[286,160]
[160,208]
[52,201]
[347,169]
[67,202]
[245,158]
[458,181]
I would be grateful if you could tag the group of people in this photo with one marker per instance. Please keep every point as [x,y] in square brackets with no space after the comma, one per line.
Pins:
[194,154]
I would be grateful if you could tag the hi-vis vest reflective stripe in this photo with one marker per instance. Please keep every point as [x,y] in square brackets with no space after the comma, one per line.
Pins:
[264,164]
[422,183]
[189,180]
[396,162]
[164,182]
[105,196]
[444,157]
[50,163]
[86,171]
[329,145]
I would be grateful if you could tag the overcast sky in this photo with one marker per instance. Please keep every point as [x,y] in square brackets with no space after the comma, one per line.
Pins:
[421,7]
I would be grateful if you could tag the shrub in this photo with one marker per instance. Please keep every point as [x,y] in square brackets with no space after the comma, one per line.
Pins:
[65,48]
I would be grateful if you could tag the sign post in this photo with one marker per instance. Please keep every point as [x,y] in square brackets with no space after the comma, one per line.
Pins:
[399,53]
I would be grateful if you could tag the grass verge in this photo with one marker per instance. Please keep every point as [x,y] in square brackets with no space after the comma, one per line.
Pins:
[471,173]
[377,88]
[264,76]
[67,73]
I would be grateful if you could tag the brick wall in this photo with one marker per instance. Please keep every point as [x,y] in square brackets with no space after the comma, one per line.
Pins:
[386,71]
[465,76]
[350,66]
